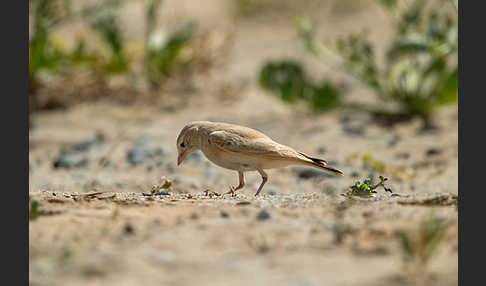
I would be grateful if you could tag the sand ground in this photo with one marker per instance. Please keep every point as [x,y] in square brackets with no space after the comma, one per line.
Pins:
[100,229]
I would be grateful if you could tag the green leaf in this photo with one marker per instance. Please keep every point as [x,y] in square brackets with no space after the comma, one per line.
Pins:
[285,78]
[408,45]
[162,59]
[325,97]
[449,92]
[389,4]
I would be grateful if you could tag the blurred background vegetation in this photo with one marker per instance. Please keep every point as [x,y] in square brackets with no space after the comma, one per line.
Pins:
[411,75]
[419,70]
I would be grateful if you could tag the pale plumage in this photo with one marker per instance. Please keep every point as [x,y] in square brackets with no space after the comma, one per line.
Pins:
[242,149]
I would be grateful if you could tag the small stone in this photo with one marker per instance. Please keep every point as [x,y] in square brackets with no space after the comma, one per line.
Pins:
[70,160]
[428,128]
[159,151]
[224,214]
[89,143]
[272,192]
[354,130]
[138,153]
[263,215]
[141,151]
[433,151]
[243,203]
[128,228]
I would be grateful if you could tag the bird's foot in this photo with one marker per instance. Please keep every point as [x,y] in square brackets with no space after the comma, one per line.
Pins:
[232,191]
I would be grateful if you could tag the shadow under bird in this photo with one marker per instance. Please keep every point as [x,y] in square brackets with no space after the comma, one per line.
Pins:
[241,149]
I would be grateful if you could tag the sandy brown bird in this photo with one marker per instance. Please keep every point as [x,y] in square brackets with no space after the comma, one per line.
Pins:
[241,149]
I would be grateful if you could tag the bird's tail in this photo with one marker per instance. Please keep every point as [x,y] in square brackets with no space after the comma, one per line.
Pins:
[321,164]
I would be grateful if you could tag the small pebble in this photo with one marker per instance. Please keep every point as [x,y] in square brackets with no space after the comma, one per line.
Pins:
[354,130]
[243,203]
[433,151]
[129,229]
[89,143]
[272,192]
[69,160]
[263,215]
[224,214]
[141,151]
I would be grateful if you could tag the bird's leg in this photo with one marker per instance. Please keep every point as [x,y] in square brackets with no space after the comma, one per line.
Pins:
[265,179]
[241,184]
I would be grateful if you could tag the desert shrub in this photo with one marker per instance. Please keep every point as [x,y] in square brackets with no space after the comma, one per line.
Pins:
[105,21]
[44,54]
[163,51]
[367,188]
[288,81]
[420,66]
[51,63]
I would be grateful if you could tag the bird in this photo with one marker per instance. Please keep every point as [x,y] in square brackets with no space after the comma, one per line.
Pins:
[241,149]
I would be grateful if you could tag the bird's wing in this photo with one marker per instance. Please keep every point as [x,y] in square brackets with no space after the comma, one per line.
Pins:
[238,142]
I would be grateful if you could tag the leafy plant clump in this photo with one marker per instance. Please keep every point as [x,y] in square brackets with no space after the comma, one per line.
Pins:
[367,188]
[105,21]
[34,209]
[163,50]
[420,67]
[288,81]
[51,61]
[44,53]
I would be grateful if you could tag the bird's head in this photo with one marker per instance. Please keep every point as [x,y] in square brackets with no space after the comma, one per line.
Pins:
[187,142]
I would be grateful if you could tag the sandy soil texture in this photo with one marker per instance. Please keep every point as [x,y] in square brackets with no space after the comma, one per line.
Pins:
[93,166]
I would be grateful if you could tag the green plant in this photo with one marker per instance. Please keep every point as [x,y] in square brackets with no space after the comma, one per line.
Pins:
[419,246]
[288,81]
[106,22]
[34,209]
[163,51]
[44,54]
[367,188]
[420,67]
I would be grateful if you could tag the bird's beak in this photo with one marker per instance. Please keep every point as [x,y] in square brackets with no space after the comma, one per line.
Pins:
[181,158]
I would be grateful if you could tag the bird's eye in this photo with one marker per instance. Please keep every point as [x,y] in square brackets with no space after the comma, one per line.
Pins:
[182,145]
